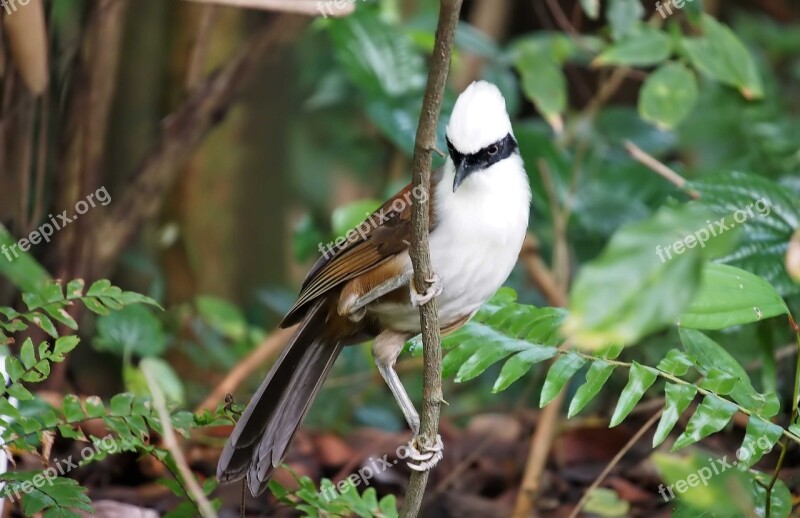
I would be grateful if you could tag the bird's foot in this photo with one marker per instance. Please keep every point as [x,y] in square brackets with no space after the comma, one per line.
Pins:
[434,290]
[425,455]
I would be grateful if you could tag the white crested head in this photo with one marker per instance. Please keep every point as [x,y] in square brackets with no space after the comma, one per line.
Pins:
[479,118]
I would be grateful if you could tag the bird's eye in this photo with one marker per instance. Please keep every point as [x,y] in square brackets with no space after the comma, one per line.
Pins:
[493,149]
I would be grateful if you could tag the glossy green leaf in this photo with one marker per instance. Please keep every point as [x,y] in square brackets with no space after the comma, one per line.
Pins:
[645,46]
[559,374]
[767,214]
[519,365]
[676,362]
[710,355]
[640,379]
[596,377]
[781,500]
[720,55]
[638,285]
[678,399]
[19,267]
[730,296]
[718,382]
[759,439]
[710,417]
[668,95]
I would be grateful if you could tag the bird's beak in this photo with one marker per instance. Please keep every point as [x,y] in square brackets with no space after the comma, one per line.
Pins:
[462,171]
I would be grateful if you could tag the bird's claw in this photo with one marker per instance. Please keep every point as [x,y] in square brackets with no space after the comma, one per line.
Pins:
[426,456]
[434,290]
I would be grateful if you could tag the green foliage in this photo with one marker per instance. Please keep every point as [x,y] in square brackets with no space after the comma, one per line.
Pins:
[334,500]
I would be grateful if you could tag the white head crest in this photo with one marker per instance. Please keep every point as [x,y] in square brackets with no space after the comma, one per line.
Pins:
[479,118]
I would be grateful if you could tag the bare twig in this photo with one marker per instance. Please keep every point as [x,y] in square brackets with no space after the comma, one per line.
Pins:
[263,352]
[617,458]
[420,250]
[171,442]
[662,169]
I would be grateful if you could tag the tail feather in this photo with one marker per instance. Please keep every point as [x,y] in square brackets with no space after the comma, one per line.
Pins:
[265,430]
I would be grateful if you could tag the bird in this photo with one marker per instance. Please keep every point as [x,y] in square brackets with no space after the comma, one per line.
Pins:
[361,288]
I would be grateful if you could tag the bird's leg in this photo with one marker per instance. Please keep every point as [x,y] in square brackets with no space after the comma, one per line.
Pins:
[386,349]
[434,290]
[377,292]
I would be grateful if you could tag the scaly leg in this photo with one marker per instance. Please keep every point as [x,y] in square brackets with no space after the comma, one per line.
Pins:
[386,349]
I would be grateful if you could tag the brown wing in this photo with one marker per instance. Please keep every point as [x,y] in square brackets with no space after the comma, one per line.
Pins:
[386,233]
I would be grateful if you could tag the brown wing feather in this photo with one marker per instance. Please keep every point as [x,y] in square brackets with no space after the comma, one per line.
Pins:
[386,233]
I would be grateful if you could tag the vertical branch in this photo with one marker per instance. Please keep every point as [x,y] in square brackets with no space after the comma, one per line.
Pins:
[420,250]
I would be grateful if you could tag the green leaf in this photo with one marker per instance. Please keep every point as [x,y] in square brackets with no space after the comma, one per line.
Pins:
[767,215]
[43,322]
[223,317]
[18,391]
[519,364]
[642,280]
[559,374]
[169,382]
[703,484]
[596,377]
[676,363]
[719,382]
[730,296]
[94,407]
[710,417]
[607,503]
[27,354]
[75,289]
[678,399]
[781,501]
[134,330]
[73,411]
[645,46]
[623,16]
[759,439]
[543,81]
[591,8]
[95,306]
[346,219]
[720,55]
[639,380]
[710,355]
[20,268]
[668,96]
[120,404]
[64,345]
[378,57]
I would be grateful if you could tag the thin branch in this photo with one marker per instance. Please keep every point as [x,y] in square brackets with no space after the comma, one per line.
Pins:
[420,249]
[171,442]
[662,169]
[263,352]
[617,458]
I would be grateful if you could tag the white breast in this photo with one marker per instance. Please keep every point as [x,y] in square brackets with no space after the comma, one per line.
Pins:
[479,233]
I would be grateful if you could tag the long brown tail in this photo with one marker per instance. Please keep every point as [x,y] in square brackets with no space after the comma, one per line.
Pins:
[262,436]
